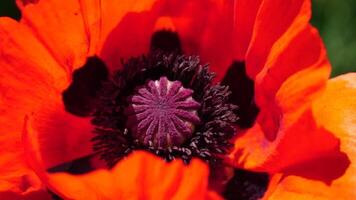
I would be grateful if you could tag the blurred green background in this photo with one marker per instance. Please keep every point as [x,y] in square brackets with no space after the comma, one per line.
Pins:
[335,19]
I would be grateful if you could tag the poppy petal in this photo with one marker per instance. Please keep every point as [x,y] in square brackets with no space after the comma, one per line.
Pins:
[28,74]
[218,31]
[277,22]
[42,195]
[226,33]
[224,29]
[126,28]
[31,81]
[290,135]
[280,68]
[140,176]
[60,27]
[62,136]
[286,132]
[245,14]
[336,110]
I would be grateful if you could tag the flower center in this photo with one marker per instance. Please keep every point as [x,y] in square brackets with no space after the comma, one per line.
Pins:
[166,104]
[162,113]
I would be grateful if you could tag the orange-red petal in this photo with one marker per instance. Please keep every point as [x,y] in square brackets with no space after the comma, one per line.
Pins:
[226,32]
[62,136]
[286,132]
[244,16]
[126,29]
[218,31]
[36,195]
[277,20]
[60,27]
[290,69]
[305,50]
[140,176]
[28,74]
[336,110]
[122,29]
[31,81]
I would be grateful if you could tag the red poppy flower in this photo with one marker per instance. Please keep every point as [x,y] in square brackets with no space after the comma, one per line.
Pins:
[73,90]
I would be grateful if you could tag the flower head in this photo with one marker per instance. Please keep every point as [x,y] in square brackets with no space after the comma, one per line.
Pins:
[125,82]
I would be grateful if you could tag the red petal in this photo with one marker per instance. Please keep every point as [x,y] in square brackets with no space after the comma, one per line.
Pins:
[299,138]
[38,195]
[336,110]
[28,76]
[219,32]
[140,176]
[62,136]
[305,51]
[32,82]
[286,131]
[245,16]
[276,20]
[293,71]
[60,27]
[127,27]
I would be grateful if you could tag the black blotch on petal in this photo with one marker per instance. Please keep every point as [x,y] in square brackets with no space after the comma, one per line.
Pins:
[54,196]
[242,88]
[9,8]
[80,97]
[166,41]
[76,167]
[246,185]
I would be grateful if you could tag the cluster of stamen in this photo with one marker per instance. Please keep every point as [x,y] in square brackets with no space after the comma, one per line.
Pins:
[165,104]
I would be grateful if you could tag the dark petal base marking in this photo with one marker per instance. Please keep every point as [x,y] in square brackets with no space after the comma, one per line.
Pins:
[246,185]
[165,41]
[242,88]
[211,136]
[54,195]
[79,166]
[80,97]
[9,8]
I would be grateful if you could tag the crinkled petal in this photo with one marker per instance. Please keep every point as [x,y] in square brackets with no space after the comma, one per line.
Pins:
[62,136]
[336,110]
[244,16]
[277,22]
[28,74]
[122,29]
[291,77]
[304,52]
[218,31]
[286,132]
[140,176]
[36,195]
[60,27]
[127,27]
[31,81]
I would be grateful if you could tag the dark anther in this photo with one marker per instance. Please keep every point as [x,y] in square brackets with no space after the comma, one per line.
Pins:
[166,41]
[246,185]
[80,97]
[242,88]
